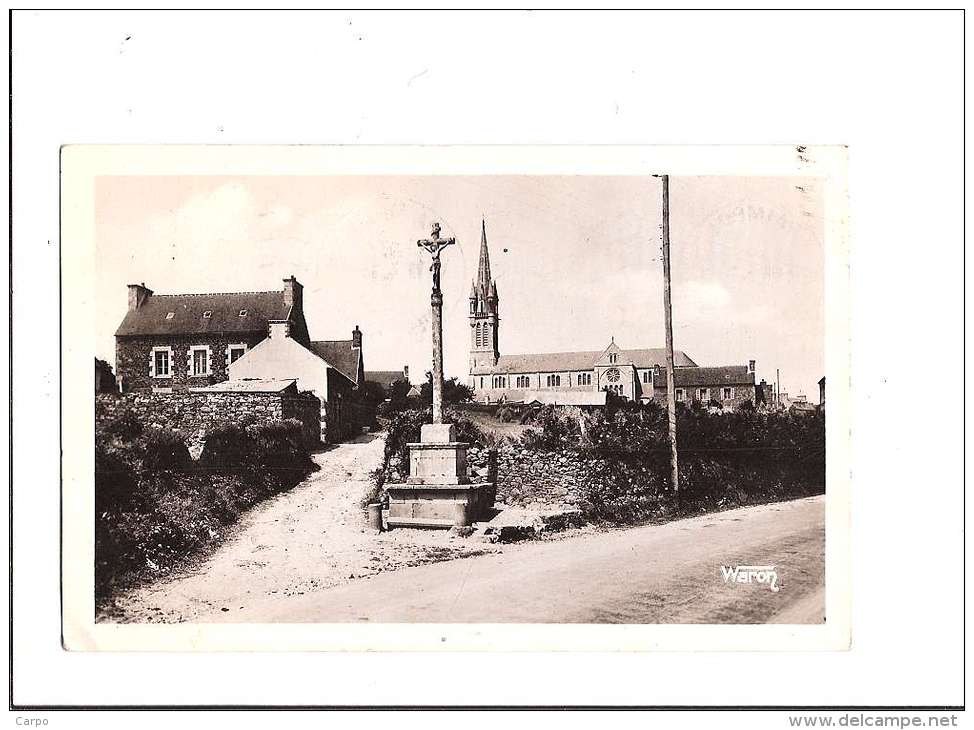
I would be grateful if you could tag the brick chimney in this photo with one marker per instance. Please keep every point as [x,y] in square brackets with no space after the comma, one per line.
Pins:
[293,294]
[405,373]
[750,365]
[138,293]
[357,338]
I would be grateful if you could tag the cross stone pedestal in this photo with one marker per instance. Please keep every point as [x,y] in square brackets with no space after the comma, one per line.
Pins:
[438,492]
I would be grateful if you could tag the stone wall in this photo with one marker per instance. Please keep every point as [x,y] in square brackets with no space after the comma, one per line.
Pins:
[192,414]
[529,478]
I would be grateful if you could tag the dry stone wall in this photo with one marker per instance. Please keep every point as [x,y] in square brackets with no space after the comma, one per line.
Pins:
[534,478]
[192,414]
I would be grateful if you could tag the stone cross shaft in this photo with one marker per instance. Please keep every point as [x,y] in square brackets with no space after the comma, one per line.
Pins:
[434,244]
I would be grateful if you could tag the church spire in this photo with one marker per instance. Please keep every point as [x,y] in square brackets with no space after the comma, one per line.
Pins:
[483,272]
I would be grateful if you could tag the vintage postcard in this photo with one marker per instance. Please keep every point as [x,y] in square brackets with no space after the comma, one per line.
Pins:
[455,398]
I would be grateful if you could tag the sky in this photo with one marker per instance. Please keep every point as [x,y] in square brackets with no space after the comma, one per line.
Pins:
[577,260]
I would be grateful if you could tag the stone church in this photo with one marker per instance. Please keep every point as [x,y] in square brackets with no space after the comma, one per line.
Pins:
[582,377]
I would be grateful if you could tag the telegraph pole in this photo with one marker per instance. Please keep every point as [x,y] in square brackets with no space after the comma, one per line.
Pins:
[668,314]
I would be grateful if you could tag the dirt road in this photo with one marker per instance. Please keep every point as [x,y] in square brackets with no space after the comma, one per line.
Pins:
[300,542]
[653,574]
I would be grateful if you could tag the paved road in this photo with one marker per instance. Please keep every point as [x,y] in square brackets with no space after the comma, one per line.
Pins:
[653,574]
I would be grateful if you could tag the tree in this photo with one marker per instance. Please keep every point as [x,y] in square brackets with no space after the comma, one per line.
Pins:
[453,390]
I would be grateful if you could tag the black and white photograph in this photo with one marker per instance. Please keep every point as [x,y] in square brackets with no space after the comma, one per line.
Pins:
[466,399]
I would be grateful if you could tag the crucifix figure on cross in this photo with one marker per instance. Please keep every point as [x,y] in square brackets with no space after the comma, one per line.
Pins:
[434,244]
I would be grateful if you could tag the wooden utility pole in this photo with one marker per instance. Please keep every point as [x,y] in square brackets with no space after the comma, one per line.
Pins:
[668,314]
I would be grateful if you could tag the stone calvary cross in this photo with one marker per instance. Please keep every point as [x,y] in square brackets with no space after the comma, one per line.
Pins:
[438,491]
[434,244]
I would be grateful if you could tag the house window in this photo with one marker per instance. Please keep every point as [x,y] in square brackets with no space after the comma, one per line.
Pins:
[704,394]
[235,352]
[199,360]
[161,363]
[679,394]
[728,393]
[647,377]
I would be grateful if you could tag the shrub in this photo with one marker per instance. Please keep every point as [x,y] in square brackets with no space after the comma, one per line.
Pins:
[154,507]
[228,446]
[556,428]
[375,492]
[125,426]
[164,449]
[726,459]
[506,414]
[279,446]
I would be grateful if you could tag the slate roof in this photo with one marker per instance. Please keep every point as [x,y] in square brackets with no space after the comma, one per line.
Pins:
[712,376]
[553,362]
[385,378]
[187,314]
[250,385]
[340,355]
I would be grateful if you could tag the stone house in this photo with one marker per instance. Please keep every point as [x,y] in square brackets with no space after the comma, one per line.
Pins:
[386,378]
[176,342]
[636,374]
[329,370]
[171,342]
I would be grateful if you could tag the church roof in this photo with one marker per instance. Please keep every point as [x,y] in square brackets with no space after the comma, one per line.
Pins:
[713,376]
[340,355]
[186,314]
[550,362]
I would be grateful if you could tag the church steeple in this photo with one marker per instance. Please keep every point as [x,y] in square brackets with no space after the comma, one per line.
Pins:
[483,310]
[483,270]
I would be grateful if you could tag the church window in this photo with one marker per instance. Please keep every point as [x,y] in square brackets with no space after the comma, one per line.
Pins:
[553,381]
[499,381]
[521,381]
[584,379]
[613,357]
[481,381]
[728,393]
[613,375]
